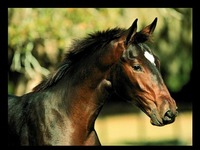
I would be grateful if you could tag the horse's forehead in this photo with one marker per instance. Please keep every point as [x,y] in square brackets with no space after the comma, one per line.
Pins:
[147,53]
[150,57]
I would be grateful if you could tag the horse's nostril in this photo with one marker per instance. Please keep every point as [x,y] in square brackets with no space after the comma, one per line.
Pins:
[168,117]
[169,113]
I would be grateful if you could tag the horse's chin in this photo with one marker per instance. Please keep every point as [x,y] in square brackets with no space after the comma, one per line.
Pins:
[155,120]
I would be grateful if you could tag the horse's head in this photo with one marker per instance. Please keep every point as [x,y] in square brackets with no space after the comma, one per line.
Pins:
[138,79]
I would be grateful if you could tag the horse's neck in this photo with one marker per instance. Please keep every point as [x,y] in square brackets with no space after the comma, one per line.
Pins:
[87,104]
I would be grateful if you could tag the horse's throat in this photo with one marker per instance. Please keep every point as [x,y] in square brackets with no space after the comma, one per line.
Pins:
[86,109]
[84,114]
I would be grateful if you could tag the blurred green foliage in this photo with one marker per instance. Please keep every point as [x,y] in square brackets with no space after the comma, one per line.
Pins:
[38,37]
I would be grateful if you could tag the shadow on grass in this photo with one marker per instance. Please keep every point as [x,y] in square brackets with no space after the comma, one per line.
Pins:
[172,142]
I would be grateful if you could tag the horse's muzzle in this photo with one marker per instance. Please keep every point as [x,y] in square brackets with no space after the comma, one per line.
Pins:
[168,117]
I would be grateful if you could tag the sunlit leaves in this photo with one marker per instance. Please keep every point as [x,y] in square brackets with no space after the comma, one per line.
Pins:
[47,33]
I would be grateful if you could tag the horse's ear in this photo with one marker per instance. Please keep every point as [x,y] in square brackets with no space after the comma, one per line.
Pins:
[128,35]
[148,30]
[145,33]
[131,32]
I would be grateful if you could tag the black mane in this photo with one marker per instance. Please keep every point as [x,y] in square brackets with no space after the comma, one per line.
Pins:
[78,50]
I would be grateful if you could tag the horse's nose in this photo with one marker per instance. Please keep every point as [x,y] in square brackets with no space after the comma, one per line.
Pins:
[169,116]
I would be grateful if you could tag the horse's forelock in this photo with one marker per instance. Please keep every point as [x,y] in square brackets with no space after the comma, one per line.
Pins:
[141,38]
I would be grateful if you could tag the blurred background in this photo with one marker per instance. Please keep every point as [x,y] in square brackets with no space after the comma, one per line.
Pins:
[39,37]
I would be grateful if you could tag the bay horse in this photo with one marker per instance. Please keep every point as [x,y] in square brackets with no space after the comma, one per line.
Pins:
[62,109]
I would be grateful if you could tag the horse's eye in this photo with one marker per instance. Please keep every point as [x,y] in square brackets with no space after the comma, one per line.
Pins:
[137,68]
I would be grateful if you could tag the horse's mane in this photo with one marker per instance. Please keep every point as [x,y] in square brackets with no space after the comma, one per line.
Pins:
[80,48]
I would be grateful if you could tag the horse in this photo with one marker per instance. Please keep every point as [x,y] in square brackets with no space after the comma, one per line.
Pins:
[62,109]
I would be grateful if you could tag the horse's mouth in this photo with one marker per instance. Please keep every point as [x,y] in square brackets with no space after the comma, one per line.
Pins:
[161,122]
[156,121]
